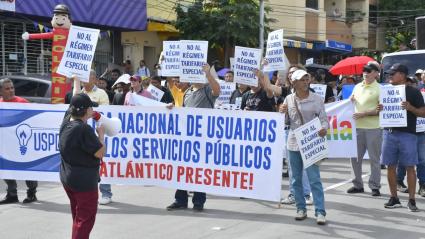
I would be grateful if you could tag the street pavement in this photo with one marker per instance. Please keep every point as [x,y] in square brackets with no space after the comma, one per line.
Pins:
[139,212]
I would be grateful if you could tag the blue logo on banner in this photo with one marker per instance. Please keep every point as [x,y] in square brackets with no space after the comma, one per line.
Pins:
[23,133]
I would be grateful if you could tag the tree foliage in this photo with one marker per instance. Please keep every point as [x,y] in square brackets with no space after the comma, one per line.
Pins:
[224,23]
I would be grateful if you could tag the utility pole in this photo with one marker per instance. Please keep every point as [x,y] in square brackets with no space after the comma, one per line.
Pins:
[261,40]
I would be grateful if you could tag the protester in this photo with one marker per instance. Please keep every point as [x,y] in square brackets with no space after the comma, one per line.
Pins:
[81,153]
[167,97]
[418,75]
[7,91]
[400,144]
[369,135]
[120,88]
[100,97]
[301,107]
[228,77]
[197,96]
[136,87]
[143,70]
[258,98]
[330,95]
[114,75]
[236,96]
[102,83]
[128,67]
[177,89]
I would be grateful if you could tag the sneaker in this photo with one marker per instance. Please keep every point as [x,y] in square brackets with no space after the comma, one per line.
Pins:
[30,198]
[376,193]
[421,190]
[411,205]
[301,215]
[393,203]
[9,199]
[198,207]
[308,200]
[355,190]
[321,219]
[105,200]
[176,206]
[401,187]
[289,200]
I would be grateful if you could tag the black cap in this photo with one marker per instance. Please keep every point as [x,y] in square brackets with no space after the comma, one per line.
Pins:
[398,68]
[82,101]
[61,9]
[371,66]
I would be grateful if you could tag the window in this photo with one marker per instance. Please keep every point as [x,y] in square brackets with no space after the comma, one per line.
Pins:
[373,14]
[24,87]
[313,4]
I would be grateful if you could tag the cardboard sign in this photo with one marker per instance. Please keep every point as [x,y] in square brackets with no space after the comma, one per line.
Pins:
[226,89]
[246,61]
[392,114]
[320,89]
[170,66]
[79,52]
[193,55]
[275,54]
[155,92]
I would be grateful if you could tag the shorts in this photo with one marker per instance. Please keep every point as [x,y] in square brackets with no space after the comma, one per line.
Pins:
[399,148]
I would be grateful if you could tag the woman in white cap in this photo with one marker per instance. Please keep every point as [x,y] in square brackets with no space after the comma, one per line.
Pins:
[301,107]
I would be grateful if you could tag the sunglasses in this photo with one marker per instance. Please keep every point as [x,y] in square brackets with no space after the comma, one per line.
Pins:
[366,70]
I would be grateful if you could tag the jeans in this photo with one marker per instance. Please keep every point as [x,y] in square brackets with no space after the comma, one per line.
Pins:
[420,167]
[106,191]
[182,197]
[306,185]
[313,174]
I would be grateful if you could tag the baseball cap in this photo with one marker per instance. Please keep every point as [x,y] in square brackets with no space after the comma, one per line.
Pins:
[371,66]
[398,68]
[135,78]
[82,101]
[125,78]
[298,74]
[419,71]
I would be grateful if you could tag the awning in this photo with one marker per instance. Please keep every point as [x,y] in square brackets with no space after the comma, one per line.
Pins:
[297,44]
[123,14]
[161,27]
[334,46]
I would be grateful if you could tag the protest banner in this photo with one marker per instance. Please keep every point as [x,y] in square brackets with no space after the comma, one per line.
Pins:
[193,55]
[213,151]
[79,52]
[319,89]
[246,61]
[392,114]
[226,89]
[274,52]
[155,92]
[170,66]
[312,147]
[420,122]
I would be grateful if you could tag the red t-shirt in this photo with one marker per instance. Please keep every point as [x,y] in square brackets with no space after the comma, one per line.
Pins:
[15,99]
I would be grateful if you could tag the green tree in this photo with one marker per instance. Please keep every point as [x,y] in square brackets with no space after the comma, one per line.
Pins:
[224,23]
[398,17]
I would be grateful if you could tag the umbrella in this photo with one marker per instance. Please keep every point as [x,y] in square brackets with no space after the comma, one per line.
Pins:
[315,67]
[350,66]
[222,72]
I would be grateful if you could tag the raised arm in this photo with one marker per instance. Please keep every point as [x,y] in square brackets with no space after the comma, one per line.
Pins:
[213,83]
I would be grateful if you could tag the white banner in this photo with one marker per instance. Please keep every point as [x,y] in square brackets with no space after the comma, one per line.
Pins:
[320,89]
[274,53]
[193,55]
[246,61]
[79,52]
[8,5]
[213,151]
[392,114]
[155,92]
[420,122]
[312,147]
[226,89]
[170,66]
[139,100]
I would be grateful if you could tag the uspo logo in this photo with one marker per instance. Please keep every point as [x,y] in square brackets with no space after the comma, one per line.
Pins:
[44,139]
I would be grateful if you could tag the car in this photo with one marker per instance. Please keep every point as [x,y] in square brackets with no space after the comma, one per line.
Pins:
[34,88]
[414,60]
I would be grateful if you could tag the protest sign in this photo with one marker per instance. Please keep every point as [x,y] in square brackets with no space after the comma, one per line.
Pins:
[139,100]
[193,55]
[155,92]
[392,114]
[319,89]
[347,91]
[170,66]
[79,52]
[309,61]
[274,52]
[420,122]
[246,61]
[226,89]
[204,150]
[312,147]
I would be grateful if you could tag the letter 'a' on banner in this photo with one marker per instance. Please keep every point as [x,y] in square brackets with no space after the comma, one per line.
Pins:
[391,98]
[79,52]
[311,146]
[193,55]
[247,60]
[275,54]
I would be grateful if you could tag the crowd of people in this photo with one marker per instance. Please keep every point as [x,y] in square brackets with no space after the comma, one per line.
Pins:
[401,150]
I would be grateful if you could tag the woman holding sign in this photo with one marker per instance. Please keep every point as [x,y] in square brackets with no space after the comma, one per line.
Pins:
[301,107]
